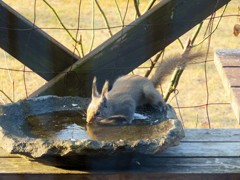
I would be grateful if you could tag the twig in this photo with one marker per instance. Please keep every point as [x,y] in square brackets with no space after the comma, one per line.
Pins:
[213,29]
[124,17]
[3,102]
[195,34]
[149,6]
[93,25]
[6,96]
[34,13]
[64,27]
[197,122]
[78,28]
[136,4]
[180,42]
[60,21]
[125,14]
[24,80]
[177,73]
[210,26]
[153,63]
[119,13]
[10,76]
[104,17]
[179,111]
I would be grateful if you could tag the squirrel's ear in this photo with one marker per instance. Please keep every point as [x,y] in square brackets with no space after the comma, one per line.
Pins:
[94,88]
[105,89]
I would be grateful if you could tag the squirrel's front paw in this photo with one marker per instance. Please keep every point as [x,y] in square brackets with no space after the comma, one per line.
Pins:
[113,121]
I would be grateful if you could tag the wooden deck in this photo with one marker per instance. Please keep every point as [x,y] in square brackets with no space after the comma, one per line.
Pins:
[228,65]
[203,153]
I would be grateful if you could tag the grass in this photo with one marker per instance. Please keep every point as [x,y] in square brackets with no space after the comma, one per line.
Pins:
[192,86]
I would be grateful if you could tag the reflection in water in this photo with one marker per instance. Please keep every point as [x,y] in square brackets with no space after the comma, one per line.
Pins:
[129,133]
[71,125]
[64,125]
[73,132]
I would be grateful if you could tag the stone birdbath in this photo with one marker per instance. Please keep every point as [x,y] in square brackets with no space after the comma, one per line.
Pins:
[52,130]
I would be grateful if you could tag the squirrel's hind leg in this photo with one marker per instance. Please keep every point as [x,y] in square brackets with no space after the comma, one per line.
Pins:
[154,98]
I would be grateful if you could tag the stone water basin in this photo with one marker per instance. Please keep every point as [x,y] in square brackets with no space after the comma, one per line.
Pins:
[53,130]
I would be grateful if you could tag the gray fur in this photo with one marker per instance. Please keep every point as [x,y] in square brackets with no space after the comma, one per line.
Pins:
[127,93]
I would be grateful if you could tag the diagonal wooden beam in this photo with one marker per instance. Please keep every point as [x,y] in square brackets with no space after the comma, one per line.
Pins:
[32,46]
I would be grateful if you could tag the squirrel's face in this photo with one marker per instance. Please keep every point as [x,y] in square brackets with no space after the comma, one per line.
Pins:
[98,109]
[99,106]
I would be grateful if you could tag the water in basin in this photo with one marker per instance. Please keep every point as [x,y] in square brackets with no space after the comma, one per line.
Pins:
[71,125]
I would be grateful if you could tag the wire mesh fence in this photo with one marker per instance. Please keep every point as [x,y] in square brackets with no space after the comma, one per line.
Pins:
[199,97]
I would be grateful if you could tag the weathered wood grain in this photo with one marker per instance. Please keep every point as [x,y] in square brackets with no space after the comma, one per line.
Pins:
[132,46]
[193,165]
[230,56]
[233,75]
[235,101]
[32,46]
[204,149]
[227,62]
[214,135]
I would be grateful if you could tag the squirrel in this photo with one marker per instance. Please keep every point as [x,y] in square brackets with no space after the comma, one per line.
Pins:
[130,91]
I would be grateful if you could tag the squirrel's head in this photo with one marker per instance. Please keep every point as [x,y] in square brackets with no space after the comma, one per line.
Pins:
[99,106]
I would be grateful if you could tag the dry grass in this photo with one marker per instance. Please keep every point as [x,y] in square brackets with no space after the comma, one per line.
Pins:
[192,87]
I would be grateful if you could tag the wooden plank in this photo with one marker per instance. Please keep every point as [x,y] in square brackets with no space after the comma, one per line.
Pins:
[235,102]
[233,76]
[230,56]
[23,165]
[213,135]
[165,164]
[132,46]
[227,62]
[32,46]
[228,65]
[219,66]
[173,164]
[183,165]
[193,165]
[204,149]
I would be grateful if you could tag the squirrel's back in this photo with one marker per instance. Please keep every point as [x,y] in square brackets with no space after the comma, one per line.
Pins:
[131,85]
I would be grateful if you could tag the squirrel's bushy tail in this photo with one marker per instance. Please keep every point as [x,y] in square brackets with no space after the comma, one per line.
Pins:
[167,67]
